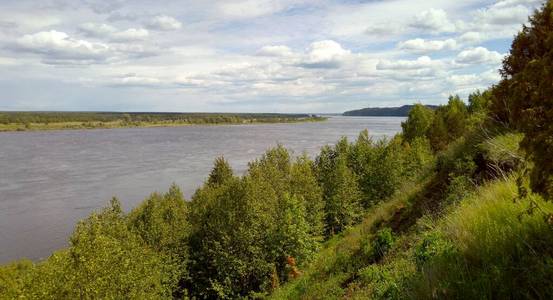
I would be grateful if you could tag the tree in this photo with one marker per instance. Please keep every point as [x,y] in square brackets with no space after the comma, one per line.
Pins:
[340,188]
[450,123]
[479,102]
[220,173]
[418,122]
[523,97]
[304,186]
[162,223]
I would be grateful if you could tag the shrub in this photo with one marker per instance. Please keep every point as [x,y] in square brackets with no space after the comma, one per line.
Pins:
[376,248]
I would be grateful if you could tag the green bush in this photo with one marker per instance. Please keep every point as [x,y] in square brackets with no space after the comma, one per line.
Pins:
[377,247]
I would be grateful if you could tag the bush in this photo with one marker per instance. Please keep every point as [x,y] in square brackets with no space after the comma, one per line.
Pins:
[379,245]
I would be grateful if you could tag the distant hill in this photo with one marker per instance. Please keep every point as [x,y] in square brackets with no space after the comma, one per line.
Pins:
[402,111]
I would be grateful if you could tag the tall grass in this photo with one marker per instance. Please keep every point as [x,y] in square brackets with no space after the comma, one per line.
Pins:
[499,249]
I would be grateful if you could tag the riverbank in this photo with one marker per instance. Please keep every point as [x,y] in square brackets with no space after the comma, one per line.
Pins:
[68,121]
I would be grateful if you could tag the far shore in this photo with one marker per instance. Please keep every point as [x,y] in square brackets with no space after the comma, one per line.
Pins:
[11,127]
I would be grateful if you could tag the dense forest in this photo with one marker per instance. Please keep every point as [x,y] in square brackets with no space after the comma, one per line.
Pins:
[456,206]
[13,121]
[402,111]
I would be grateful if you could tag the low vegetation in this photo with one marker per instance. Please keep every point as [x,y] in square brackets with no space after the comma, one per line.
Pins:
[23,121]
[457,206]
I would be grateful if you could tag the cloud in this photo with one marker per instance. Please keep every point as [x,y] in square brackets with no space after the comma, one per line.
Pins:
[57,47]
[104,6]
[472,37]
[279,50]
[131,34]
[478,55]
[433,20]
[502,15]
[164,23]
[111,33]
[97,30]
[325,54]
[133,80]
[421,46]
[249,8]
[419,63]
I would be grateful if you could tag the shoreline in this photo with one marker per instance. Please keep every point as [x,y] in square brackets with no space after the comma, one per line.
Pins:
[33,127]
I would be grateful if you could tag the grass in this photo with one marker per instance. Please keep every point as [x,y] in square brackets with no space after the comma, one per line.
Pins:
[489,245]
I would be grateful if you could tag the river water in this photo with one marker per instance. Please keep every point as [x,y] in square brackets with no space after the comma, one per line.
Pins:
[51,179]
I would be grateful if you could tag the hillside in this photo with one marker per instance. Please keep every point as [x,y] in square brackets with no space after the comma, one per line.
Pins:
[401,111]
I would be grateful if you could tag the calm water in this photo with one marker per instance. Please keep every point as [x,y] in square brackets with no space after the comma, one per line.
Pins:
[51,179]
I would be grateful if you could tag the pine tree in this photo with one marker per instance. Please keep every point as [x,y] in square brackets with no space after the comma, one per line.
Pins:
[523,97]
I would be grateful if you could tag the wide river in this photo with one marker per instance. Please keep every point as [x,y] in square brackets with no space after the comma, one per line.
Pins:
[51,179]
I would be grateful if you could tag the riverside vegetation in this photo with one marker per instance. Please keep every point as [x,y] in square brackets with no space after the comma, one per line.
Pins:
[23,121]
[457,206]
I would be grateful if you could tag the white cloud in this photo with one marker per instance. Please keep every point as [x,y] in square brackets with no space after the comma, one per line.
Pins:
[279,50]
[433,20]
[419,63]
[501,15]
[131,34]
[508,3]
[57,47]
[479,55]
[325,54]
[472,37]
[111,33]
[245,53]
[250,8]
[422,46]
[164,23]
[97,30]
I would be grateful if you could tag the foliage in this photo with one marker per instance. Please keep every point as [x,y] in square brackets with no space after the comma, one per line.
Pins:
[341,193]
[162,223]
[450,123]
[379,245]
[523,97]
[245,230]
[418,121]
[105,260]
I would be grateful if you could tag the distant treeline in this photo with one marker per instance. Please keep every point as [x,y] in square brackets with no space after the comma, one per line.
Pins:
[402,111]
[44,120]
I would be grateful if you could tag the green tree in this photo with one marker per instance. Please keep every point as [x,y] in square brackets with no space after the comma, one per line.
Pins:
[479,102]
[418,122]
[523,97]
[162,222]
[304,186]
[340,188]
[450,122]
[220,173]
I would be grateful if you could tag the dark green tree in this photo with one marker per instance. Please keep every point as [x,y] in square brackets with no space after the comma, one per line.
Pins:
[418,122]
[220,173]
[523,99]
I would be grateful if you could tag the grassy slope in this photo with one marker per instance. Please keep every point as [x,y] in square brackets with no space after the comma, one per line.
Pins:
[487,246]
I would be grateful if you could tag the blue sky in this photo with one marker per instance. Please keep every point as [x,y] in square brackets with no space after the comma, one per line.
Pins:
[249,56]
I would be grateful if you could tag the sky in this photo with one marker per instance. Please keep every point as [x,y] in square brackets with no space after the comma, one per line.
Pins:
[309,56]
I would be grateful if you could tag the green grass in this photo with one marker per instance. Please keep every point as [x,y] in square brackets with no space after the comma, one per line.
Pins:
[490,246]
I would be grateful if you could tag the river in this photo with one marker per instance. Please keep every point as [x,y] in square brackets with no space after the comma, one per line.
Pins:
[51,179]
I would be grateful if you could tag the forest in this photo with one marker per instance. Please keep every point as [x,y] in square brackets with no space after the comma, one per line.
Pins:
[456,206]
[21,121]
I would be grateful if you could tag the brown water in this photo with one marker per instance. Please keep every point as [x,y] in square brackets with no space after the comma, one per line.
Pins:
[51,179]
